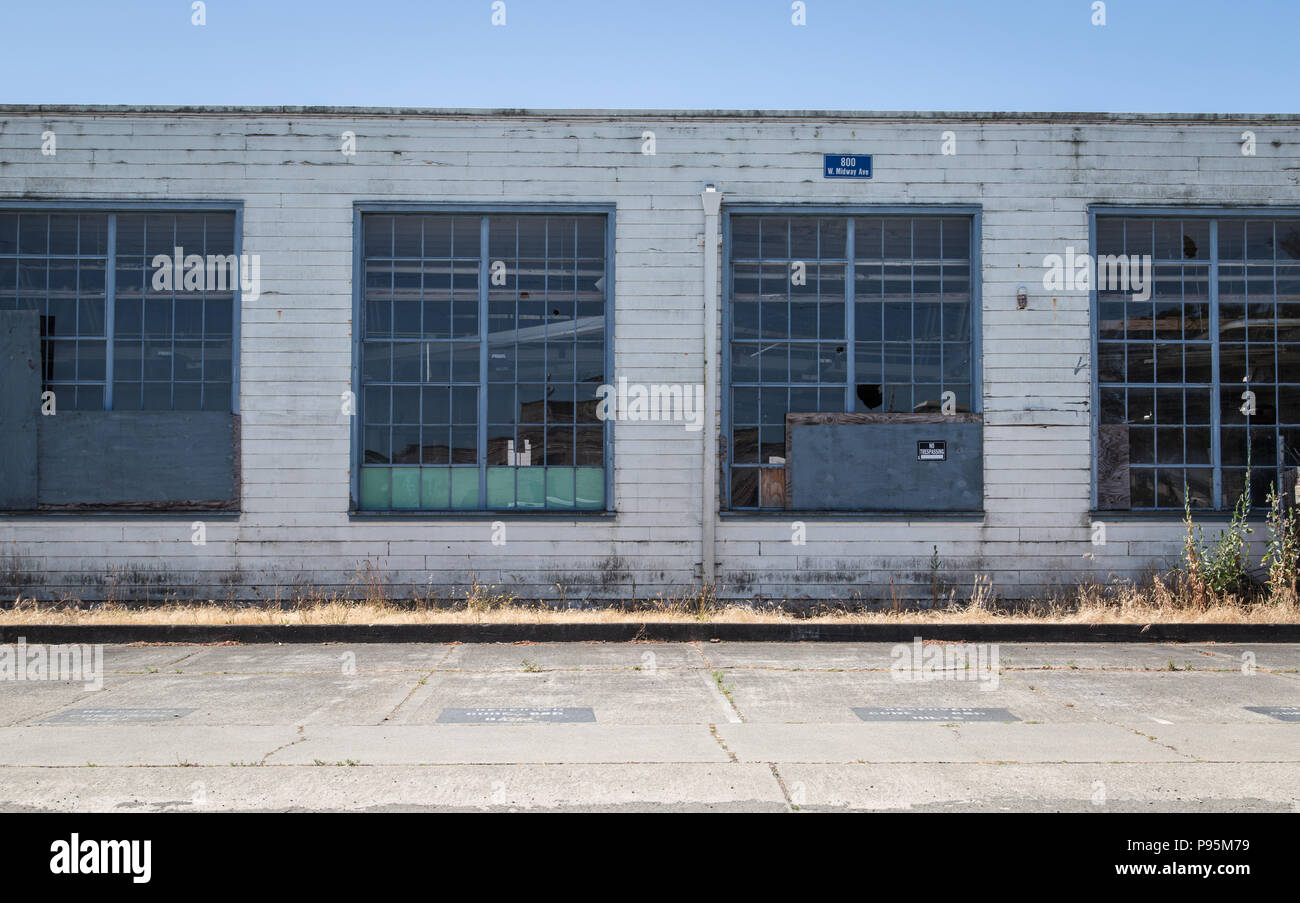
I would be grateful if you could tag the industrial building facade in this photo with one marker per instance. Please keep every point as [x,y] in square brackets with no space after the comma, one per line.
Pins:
[590,355]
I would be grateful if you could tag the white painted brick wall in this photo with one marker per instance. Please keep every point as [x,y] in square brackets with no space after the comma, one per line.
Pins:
[1033,176]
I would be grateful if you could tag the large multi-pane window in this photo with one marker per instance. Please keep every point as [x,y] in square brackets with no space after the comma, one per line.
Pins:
[1200,380]
[55,265]
[865,314]
[483,351]
[124,343]
[173,348]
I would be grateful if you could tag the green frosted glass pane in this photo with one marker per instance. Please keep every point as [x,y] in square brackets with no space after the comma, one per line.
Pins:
[406,487]
[374,487]
[464,487]
[591,487]
[435,487]
[559,487]
[501,487]
[532,487]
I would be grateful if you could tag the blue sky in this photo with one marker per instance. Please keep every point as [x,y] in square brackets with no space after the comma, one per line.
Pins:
[1151,55]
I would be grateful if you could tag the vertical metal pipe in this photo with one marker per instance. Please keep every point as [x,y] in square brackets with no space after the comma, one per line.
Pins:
[110,305]
[1216,417]
[712,202]
[484,265]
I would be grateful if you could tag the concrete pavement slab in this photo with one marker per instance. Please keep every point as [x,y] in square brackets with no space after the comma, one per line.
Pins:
[239,699]
[24,700]
[417,744]
[130,659]
[572,656]
[661,696]
[881,656]
[1280,657]
[142,659]
[1273,742]
[1118,656]
[1063,743]
[936,714]
[137,744]
[799,656]
[681,786]
[1153,697]
[563,715]
[967,742]
[829,697]
[1139,787]
[325,658]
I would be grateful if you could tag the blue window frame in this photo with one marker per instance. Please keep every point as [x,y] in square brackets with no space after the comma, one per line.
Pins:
[1201,381]
[110,340]
[483,341]
[868,310]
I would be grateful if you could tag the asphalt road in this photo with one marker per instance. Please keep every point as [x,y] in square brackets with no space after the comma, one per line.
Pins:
[659,726]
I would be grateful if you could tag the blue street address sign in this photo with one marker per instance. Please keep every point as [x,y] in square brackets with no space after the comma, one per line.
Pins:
[846,166]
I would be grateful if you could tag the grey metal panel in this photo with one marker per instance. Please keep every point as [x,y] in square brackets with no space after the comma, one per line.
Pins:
[20,400]
[153,458]
[874,467]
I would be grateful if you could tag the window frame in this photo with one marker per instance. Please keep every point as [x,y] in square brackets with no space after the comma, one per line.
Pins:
[972,211]
[1211,214]
[360,209]
[111,207]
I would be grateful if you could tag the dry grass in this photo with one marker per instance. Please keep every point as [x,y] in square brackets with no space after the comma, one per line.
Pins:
[1159,600]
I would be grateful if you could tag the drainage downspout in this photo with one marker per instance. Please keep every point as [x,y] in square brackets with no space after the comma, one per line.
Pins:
[712,201]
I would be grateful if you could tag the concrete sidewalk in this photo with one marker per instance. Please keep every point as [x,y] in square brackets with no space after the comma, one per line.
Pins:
[692,726]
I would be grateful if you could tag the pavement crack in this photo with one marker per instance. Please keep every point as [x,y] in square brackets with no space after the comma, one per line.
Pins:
[1167,746]
[419,683]
[722,691]
[188,655]
[717,684]
[785,791]
[301,738]
[700,652]
[713,731]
